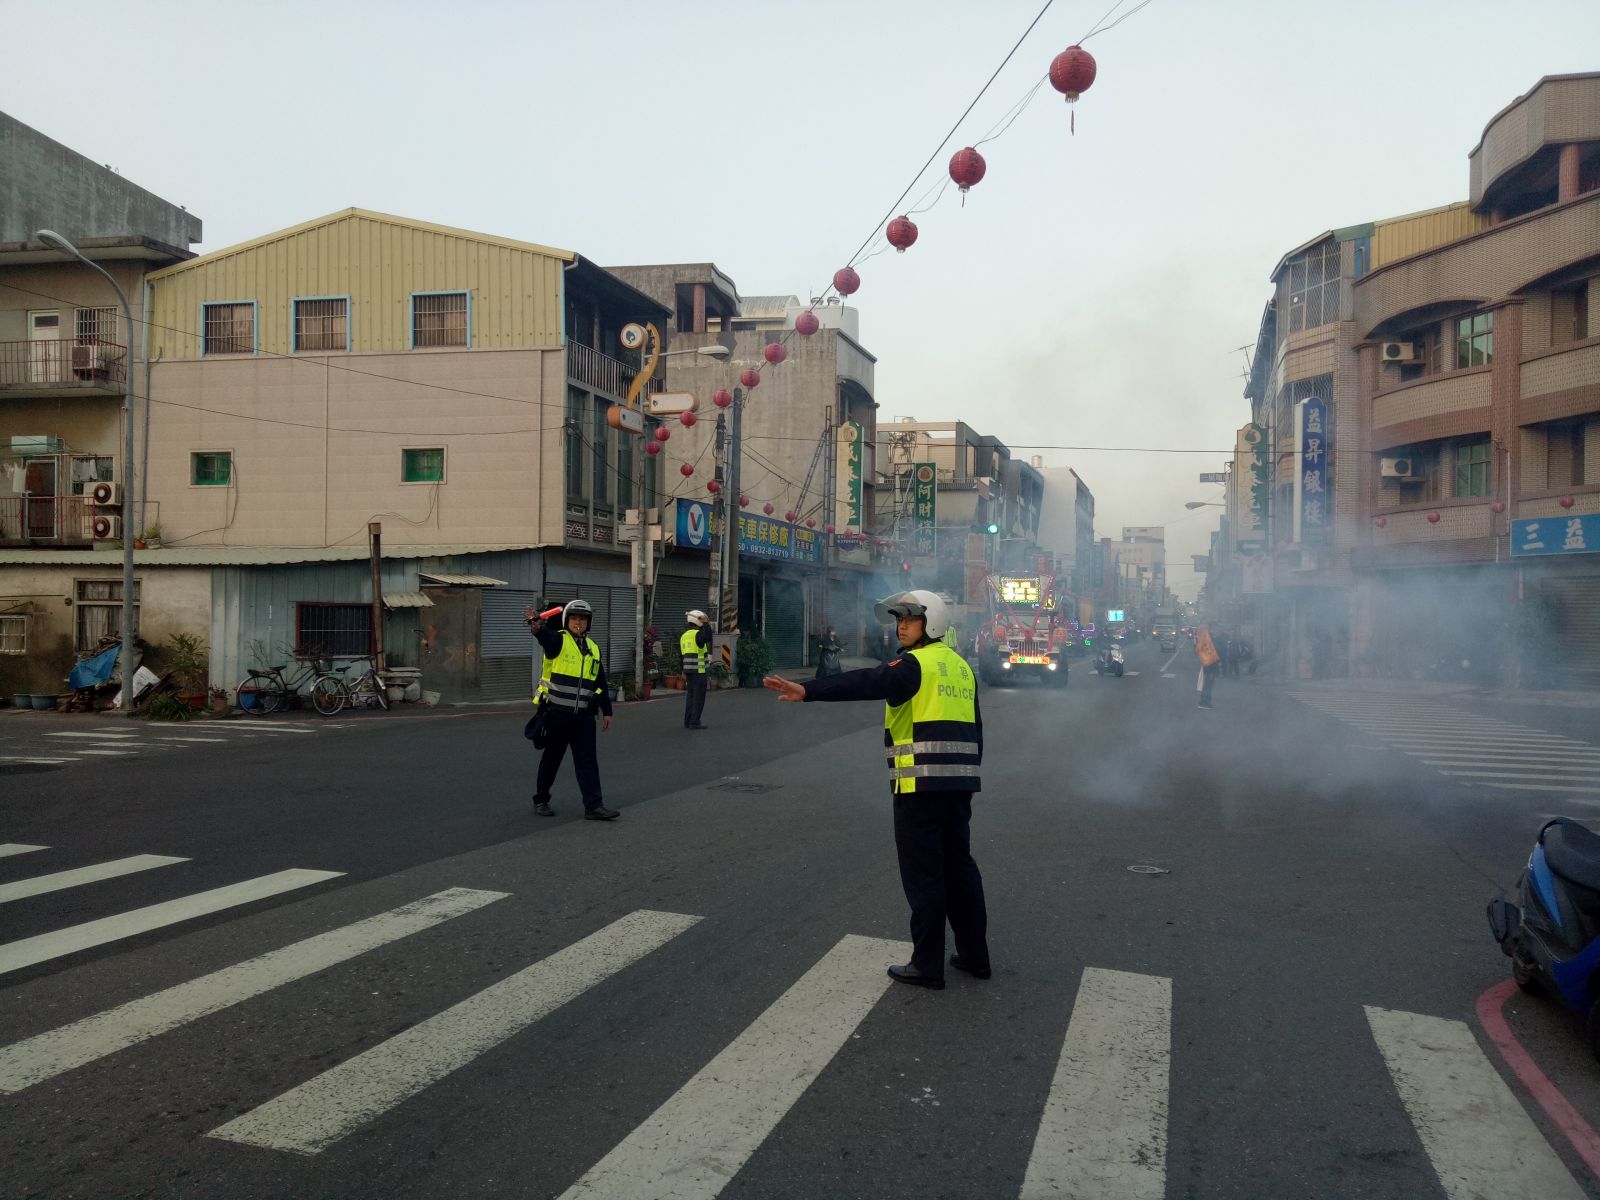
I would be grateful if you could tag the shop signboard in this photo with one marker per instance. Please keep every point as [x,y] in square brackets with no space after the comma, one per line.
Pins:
[763,537]
[924,501]
[1556,535]
[847,475]
[1313,505]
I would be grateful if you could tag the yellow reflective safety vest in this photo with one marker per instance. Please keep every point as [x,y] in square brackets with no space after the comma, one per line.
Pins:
[694,663]
[571,677]
[932,739]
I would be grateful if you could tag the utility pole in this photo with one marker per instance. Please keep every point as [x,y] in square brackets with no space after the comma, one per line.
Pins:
[375,553]
[830,469]
[729,600]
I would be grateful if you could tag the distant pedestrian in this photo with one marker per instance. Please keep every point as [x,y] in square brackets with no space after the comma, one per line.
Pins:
[572,690]
[694,645]
[1210,666]
[1223,641]
[934,733]
[829,648]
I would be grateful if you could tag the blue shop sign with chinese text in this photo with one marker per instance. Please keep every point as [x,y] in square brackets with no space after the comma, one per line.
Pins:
[765,538]
[1313,501]
[1556,535]
[694,523]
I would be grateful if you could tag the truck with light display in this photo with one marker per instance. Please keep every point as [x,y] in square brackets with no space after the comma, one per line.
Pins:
[1027,631]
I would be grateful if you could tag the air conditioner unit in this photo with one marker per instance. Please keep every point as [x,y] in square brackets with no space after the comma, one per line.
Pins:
[88,361]
[1399,468]
[107,527]
[1398,352]
[105,494]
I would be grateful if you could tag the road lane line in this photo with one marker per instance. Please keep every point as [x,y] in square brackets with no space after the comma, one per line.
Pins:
[1167,666]
[1476,1134]
[99,737]
[210,741]
[109,752]
[695,1143]
[37,761]
[1550,777]
[40,884]
[1104,1128]
[1538,755]
[7,849]
[45,1055]
[1537,787]
[29,951]
[310,1118]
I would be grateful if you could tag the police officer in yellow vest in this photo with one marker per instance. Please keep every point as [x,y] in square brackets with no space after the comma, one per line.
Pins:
[572,689]
[695,647]
[933,732]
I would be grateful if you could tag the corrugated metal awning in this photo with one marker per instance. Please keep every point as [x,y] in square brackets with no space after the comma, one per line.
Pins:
[246,556]
[406,600]
[462,580]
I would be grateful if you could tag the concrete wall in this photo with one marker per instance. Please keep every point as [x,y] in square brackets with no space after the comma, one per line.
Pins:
[45,185]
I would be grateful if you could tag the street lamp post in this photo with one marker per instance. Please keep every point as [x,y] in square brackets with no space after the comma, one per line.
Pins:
[56,242]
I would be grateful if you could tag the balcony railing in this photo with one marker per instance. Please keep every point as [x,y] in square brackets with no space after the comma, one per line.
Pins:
[46,521]
[63,363]
[601,373]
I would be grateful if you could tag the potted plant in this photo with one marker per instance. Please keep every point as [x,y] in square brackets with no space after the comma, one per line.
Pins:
[219,700]
[150,539]
[756,660]
[671,666]
[186,657]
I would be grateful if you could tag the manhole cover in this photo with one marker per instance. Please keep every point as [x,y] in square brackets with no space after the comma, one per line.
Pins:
[1145,869]
[746,789]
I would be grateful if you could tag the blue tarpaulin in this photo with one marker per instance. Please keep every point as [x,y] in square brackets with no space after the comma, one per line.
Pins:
[94,670]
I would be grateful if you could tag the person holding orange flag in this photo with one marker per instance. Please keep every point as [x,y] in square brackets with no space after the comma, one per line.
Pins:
[1210,665]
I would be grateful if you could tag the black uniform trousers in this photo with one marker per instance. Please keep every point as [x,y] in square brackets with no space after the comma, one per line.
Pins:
[564,729]
[694,698]
[932,836]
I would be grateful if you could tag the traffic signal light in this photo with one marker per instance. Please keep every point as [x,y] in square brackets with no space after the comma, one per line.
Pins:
[991,528]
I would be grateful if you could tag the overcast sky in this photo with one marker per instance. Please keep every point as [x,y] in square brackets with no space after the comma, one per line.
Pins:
[1092,290]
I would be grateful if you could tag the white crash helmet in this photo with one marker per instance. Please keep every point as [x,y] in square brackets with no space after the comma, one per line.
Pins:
[577,608]
[934,612]
[695,617]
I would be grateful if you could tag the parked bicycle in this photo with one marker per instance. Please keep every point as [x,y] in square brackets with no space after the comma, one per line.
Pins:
[268,691]
[330,693]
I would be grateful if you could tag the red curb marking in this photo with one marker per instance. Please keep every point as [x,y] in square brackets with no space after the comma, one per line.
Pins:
[1583,1138]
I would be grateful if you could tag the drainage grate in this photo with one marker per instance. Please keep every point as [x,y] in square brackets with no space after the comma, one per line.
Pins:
[744,789]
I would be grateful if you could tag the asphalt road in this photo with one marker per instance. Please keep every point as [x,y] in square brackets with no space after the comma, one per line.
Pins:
[689,1002]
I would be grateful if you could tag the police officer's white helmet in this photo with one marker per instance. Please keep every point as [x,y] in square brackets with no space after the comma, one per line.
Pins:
[934,612]
[695,617]
[577,608]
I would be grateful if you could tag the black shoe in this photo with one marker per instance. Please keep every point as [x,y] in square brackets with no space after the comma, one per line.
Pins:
[541,808]
[698,727]
[909,974]
[601,813]
[961,964]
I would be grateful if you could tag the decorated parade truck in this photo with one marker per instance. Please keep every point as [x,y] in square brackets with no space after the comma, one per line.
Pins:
[1027,631]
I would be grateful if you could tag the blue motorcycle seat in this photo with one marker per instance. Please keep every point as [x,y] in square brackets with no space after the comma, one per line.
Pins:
[1573,852]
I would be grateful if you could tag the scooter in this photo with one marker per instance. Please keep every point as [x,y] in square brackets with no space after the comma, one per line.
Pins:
[1109,661]
[1553,935]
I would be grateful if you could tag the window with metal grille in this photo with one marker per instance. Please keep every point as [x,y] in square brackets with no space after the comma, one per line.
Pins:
[1472,468]
[322,324]
[14,635]
[1475,340]
[1313,284]
[439,319]
[332,630]
[575,456]
[211,468]
[422,466]
[97,325]
[98,611]
[230,328]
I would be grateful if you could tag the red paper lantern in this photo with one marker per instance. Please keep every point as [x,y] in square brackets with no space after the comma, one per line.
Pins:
[723,398]
[774,353]
[662,433]
[687,418]
[1565,502]
[686,470]
[652,447]
[767,508]
[1072,72]
[744,501]
[806,323]
[1381,522]
[846,282]
[967,168]
[902,233]
[713,487]
[1499,506]
[1433,518]
[750,377]
[828,529]
[811,522]
[789,517]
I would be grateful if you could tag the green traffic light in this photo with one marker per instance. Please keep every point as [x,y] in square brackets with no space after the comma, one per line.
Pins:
[991,528]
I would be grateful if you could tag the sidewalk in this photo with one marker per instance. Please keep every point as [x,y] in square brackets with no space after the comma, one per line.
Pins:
[1417,688]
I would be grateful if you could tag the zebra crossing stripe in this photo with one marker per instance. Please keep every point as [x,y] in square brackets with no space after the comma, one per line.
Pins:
[310,1118]
[46,1055]
[1476,1134]
[98,737]
[40,884]
[7,849]
[696,1142]
[1104,1127]
[30,951]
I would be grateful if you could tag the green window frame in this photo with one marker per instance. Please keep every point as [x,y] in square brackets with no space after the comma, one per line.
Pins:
[1475,340]
[211,468]
[1472,468]
[422,464]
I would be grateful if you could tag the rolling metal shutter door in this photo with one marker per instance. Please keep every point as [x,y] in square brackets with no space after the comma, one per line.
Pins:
[505,648]
[785,620]
[844,613]
[674,596]
[1574,605]
[613,623]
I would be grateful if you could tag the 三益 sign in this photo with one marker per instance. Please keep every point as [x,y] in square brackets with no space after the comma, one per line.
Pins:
[924,499]
[1556,535]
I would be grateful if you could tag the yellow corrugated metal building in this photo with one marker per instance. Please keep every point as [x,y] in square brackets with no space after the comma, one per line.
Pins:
[377,263]
[1401,237]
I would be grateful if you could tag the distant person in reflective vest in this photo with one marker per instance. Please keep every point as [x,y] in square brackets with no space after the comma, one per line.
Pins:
[572,691]
[694,645]
[933,733]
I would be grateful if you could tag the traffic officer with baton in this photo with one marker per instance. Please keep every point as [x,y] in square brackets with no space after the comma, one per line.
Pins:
[694,645]
[573,689]
[933,732]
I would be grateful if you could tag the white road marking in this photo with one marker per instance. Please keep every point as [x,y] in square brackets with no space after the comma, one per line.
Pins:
[1536,787]
[695,1143]
[1168,675]
[1478,1137]
[1167,666]
[1545,778]
[7,849]
[167,737]
[249,730]
[1506,760]
[1130,674]
[108,752]
[1104,1128]
[319,1112]
[99,737]
[40,884]
[37,761]
[38,1058]
[25,953]
[1505,752]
